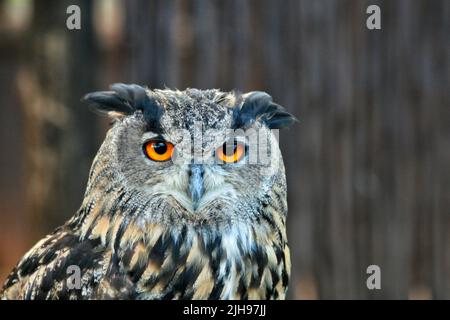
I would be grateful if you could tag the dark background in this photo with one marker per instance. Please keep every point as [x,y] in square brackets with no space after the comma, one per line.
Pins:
[367,166]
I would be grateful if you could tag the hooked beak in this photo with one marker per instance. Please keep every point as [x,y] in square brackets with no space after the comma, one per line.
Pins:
[196,188]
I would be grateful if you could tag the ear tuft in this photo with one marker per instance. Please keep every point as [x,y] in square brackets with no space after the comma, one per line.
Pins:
[107,102]
[259,106]
[125,99]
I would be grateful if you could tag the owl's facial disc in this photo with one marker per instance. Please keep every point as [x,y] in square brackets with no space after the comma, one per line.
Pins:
[213,179]
[159,133]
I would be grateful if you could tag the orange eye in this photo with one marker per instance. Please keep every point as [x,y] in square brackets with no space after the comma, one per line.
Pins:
[158,150]
[231,152]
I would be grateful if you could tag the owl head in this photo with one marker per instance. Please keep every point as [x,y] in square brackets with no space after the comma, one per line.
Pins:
[192,156]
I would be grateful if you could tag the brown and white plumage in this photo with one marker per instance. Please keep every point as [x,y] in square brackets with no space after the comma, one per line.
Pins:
[161,230]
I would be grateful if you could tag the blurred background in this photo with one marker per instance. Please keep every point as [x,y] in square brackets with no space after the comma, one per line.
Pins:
[367,166]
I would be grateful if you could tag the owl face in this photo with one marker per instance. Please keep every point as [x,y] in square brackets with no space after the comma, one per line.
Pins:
[196,155]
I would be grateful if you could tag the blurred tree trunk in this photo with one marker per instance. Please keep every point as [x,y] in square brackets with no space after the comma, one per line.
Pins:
[152,52]
[59,132]
[12,159]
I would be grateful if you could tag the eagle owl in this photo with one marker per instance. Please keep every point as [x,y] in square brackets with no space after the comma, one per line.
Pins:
[179,204]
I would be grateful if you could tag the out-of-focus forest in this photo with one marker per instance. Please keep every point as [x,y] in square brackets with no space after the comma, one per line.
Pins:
[367,165]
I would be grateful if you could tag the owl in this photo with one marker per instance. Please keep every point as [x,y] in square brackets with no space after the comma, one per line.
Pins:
[186,199]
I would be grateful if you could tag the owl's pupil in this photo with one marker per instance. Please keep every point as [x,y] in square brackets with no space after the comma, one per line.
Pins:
[160,147]
[229,148]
